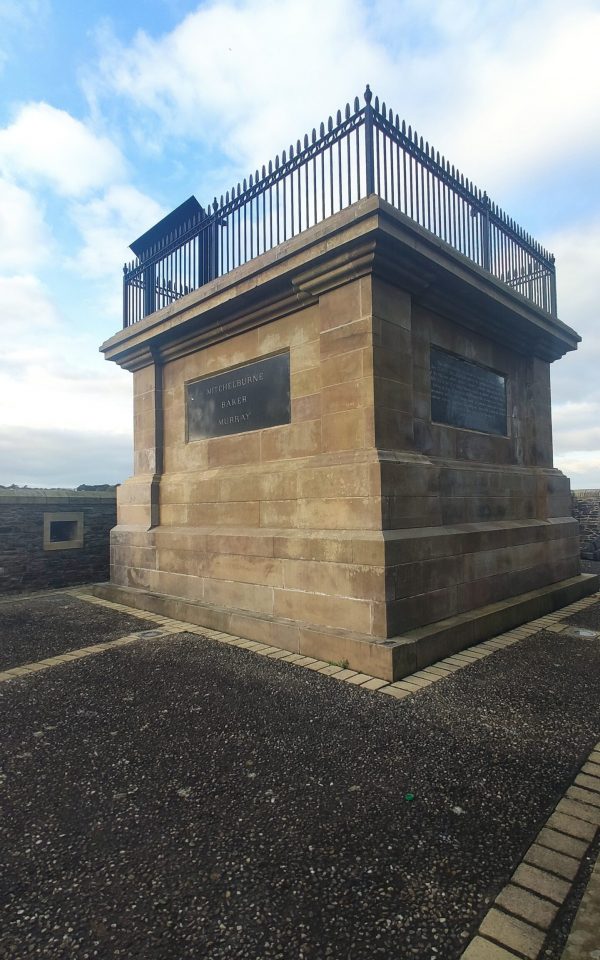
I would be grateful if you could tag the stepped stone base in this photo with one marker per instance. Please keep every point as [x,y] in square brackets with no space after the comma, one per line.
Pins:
[388,659]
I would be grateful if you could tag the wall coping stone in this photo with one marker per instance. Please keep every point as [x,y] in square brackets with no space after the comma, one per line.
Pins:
[45,496]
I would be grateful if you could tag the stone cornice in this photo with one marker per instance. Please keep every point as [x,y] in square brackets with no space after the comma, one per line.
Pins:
[370,237]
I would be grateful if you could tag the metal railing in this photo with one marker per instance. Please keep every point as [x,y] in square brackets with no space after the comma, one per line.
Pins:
[366,151]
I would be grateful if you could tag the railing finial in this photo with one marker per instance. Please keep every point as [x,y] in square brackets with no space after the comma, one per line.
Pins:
[368,94]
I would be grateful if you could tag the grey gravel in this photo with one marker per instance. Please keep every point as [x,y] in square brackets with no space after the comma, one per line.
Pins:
[178,798]
[33,629]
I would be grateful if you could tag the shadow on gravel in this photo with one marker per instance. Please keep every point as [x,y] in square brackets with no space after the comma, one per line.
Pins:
[39,627]
[181,798]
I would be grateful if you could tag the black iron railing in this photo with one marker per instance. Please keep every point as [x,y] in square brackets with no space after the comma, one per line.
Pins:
[366,151]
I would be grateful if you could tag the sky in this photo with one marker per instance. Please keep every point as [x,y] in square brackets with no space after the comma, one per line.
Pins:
[112,114]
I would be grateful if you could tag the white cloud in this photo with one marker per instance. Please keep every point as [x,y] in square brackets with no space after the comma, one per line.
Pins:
[62,458]
[53,377]
[582,467]
[16,18]
[24,236]
[108,224]
[49,146]
[528,92]
[26,309]
[244,77]
[499,88]
[576,399]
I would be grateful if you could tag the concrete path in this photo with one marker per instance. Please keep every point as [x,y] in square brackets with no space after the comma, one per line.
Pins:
[165,794]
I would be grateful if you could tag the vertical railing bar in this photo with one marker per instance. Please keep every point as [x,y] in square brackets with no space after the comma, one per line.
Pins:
[331,177]
[314,163]
[398,184]
[340,182]
[392,174]
[357,138]
[299,201]
[405,210]
[385,183]
[349,164]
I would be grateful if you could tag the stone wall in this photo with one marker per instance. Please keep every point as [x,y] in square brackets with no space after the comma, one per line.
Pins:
[586,509]
[30,559]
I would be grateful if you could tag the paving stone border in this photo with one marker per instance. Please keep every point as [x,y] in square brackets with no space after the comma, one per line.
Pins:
[398,689]
[516,926]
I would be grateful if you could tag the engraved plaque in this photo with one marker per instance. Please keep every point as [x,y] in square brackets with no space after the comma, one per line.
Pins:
[251,397]
[465,394]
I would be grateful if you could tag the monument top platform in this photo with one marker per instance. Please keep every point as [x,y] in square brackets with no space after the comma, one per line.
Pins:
[370,236]
[366,151]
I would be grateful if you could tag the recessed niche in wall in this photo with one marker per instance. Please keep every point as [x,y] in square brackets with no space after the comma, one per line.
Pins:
[63,531]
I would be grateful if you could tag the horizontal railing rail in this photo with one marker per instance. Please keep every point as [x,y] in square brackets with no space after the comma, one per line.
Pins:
[365,151]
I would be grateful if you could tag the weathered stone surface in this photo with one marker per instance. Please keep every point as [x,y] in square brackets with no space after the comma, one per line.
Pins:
[362,514]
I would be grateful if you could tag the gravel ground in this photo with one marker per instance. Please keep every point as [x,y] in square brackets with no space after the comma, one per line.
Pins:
[179,798]
[44,626]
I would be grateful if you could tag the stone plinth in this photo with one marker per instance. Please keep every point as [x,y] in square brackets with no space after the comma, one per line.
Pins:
[361,530]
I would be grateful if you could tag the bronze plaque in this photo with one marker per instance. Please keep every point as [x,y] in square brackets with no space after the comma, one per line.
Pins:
[251,397]
[465,394]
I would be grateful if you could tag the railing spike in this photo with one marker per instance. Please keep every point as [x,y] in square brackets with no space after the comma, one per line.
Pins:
[215,205]
[298,147]
[256,176]
[437,158]
[277,161]
[338,117]
[376,105]
[409,132]
[239,189]
[227,197]
[391,116]
[270,168]
[427,147]
[416,138]
[245,185]
[397,122]
[322,130]
[283,158]
[347,111]
[356,104]
[291,151]
[383,109]
[368,95]
[263,172]
[420,143]
[314,135]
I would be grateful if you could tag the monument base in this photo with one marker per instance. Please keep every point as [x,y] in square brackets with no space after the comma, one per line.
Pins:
[387,659]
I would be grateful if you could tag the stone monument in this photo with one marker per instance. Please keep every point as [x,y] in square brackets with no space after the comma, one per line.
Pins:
[342,409]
